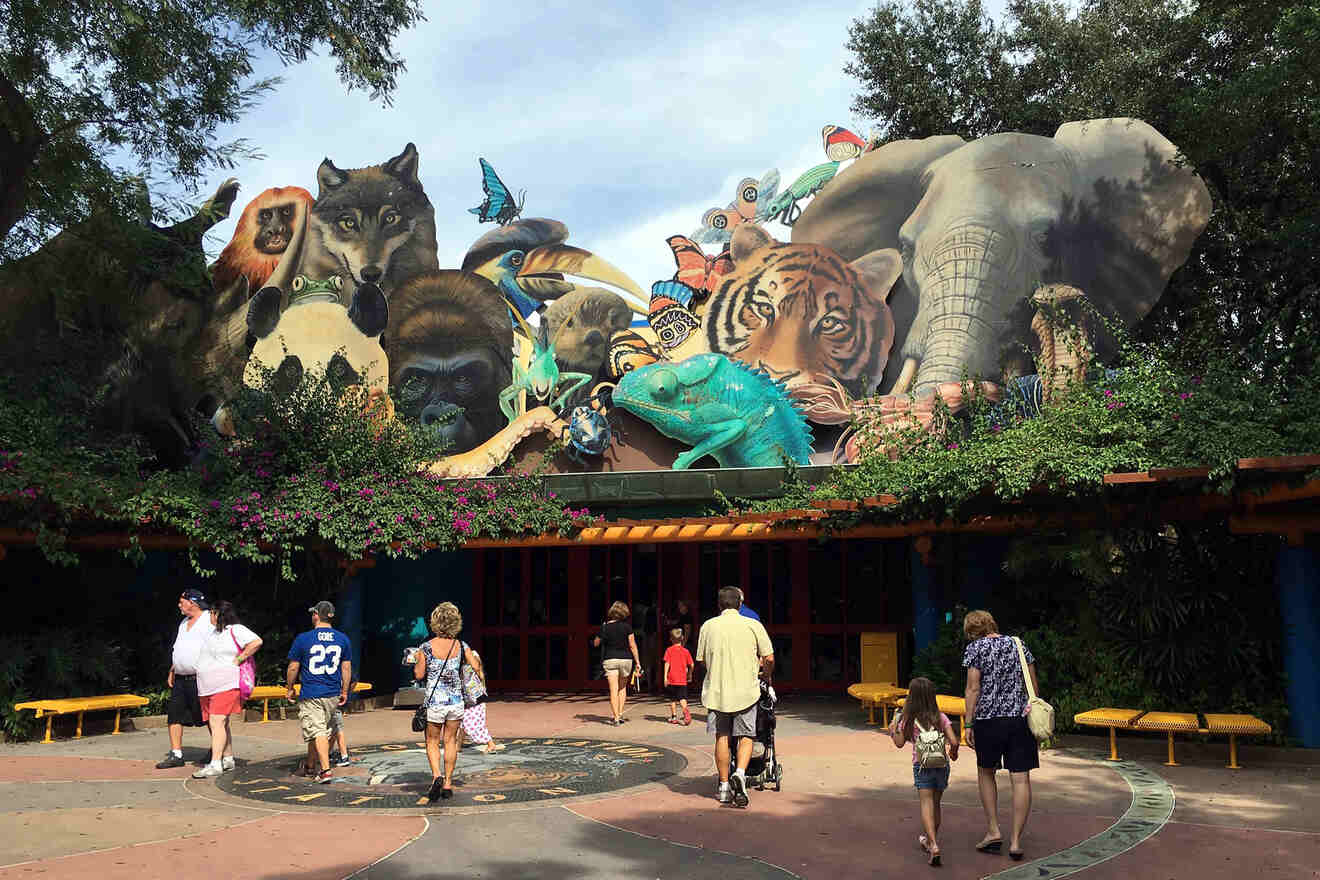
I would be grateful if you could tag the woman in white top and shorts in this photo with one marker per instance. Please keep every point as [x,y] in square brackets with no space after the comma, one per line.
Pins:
[226,647]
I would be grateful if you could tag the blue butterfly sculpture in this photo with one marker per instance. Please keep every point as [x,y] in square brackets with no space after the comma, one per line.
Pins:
[499,204]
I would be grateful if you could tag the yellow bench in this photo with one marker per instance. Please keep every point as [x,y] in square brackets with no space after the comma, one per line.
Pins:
[874,693]
[79,705]
[1174,722]
[950,706]
[1111,718]
[1233,725]
[268,692]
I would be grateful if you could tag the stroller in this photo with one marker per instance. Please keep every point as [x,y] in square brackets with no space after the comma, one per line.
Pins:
[764,768]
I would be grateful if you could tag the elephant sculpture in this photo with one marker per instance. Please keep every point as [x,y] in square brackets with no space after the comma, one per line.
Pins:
[1103,206]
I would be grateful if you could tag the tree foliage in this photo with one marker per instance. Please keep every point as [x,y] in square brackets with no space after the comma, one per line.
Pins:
[152,79]
[1235,84]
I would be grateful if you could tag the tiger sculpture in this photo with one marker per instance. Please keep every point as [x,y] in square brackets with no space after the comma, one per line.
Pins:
[804,315]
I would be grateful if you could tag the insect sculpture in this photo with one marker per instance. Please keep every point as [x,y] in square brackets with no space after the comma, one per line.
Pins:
[696,269]
[841,144]
[499,205]
[717,224]
[542,378]
[785,206]
[589,430]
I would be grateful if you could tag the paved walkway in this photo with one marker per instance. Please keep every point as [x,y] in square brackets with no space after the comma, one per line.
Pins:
[97,807]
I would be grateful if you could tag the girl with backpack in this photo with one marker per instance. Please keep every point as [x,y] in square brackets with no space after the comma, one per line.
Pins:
[934,745]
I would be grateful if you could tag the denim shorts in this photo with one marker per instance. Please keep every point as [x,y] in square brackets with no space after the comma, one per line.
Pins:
[937,778]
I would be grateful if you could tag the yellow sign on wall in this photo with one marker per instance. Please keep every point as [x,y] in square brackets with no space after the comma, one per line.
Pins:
[880,657]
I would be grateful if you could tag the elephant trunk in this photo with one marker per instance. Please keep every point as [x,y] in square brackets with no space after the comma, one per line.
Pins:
[966,295]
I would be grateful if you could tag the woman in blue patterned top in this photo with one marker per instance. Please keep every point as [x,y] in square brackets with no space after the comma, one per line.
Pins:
[996,699]
[438,663]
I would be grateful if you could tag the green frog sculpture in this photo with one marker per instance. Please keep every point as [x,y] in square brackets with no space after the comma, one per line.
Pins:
[739,416]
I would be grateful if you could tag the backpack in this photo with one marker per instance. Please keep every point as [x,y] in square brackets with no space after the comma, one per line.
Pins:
[929,746]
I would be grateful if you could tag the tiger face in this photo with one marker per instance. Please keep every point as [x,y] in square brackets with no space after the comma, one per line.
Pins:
[802,313]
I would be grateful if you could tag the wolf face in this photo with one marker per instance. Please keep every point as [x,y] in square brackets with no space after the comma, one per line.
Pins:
[371,225]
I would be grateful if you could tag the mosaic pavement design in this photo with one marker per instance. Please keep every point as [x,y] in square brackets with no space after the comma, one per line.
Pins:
[396,775]
[1151,807]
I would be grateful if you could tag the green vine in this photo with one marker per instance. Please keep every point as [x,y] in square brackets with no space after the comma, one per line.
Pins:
[309,464]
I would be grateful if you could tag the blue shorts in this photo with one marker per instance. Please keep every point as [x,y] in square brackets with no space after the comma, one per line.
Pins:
[936,778]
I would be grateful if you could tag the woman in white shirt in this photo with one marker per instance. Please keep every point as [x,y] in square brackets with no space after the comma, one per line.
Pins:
[224,650]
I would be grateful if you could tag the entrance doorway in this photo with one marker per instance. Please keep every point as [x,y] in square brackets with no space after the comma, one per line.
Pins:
[539,608]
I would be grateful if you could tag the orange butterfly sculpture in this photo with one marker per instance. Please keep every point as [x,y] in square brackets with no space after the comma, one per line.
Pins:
[695,269]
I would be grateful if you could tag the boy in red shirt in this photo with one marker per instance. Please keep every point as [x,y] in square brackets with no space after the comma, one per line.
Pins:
[678,675]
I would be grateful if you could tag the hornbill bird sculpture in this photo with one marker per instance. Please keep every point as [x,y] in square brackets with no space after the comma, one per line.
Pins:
[527,260]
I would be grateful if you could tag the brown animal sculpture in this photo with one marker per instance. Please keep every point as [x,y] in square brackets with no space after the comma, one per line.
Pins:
[139,298]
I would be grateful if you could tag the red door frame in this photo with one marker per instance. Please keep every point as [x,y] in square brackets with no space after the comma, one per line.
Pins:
[678,577]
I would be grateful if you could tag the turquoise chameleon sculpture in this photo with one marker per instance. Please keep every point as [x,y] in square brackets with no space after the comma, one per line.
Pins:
[722,408]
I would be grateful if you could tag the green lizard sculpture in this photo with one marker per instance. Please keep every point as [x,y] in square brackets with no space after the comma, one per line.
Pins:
[740,416]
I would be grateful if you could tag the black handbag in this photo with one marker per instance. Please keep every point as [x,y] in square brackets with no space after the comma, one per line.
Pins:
[419,717]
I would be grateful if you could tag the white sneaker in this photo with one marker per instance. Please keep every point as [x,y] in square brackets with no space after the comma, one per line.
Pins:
[210,771]
[724,794]
[738,782]
[227,764]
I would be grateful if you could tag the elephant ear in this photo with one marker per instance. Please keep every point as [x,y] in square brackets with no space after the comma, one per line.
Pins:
[1136,214]
[861,209]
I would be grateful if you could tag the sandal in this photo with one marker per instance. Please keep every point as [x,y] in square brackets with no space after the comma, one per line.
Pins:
[990,845]
[921,842]
[1016,855]
[935,859]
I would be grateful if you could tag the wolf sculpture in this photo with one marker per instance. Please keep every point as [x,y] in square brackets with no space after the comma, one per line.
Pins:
[368,225]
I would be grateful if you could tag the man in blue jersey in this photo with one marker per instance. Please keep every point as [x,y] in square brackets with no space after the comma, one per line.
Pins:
[744,610]
[321,659]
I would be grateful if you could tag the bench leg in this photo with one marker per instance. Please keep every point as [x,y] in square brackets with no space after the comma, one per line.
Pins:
[116,730]
[79,734]
[1232,752]
[962,730]
[1113,744]
[870,705]
[265,711]
[1170,762]
[49,718]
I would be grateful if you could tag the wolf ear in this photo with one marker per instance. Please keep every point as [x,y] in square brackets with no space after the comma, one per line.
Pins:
[263,312]
[369,311]
[404,166]
[328,176]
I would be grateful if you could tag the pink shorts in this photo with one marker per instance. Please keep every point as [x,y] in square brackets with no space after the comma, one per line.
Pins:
[223,703]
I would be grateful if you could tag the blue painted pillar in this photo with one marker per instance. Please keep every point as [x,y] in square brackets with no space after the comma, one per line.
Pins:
[926,614]
[348,619]
[1298,577]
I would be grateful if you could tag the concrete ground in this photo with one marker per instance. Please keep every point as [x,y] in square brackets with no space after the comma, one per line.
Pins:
[96,807]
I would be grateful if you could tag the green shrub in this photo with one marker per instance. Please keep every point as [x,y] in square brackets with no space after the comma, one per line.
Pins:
[50,664]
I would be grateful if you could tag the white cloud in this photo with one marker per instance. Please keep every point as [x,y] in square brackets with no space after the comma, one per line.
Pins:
[624,121]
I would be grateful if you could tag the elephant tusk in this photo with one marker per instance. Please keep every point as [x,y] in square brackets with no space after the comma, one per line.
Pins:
[904,381]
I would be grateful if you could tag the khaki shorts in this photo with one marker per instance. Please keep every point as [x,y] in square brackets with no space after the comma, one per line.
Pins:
[731,723]
[316,715]
[623,667]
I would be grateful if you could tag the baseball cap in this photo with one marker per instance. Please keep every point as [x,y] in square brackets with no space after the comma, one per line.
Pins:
[196,596]
[323,609]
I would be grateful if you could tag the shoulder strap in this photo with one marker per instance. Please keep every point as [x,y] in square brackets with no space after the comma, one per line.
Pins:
[1026,675]
[235,638]
[917,725]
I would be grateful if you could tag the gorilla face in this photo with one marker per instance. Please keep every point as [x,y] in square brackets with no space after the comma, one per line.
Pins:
[274,228]
[457,395]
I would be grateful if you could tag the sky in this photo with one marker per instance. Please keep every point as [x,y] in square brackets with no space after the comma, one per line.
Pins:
[625,121]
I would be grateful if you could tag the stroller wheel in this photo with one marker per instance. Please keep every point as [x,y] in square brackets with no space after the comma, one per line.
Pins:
[779,775]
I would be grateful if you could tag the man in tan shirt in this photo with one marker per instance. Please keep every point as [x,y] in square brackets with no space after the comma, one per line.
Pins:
[735,650]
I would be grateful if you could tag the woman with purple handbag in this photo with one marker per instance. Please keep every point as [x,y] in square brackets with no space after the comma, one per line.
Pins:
[226,675]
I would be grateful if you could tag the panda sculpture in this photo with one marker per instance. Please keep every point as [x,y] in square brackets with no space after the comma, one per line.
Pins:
[316,333]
